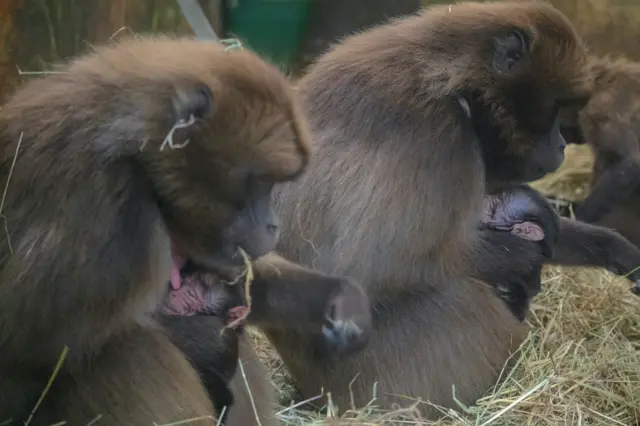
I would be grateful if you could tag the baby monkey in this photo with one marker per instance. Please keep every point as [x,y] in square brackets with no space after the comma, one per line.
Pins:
[199,314]
[524,212]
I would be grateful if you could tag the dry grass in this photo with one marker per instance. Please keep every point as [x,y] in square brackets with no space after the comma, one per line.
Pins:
[580,365]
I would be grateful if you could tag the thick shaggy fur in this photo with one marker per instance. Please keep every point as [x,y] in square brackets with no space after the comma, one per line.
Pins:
[94,207]
[412,122]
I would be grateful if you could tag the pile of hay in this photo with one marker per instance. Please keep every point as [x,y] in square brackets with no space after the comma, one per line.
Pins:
[579,366]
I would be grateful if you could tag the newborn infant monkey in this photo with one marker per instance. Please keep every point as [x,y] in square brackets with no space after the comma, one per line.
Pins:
[525,213]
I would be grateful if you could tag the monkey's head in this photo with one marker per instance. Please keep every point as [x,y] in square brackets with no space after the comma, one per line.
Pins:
[228,130]
[524,212]
[521,63]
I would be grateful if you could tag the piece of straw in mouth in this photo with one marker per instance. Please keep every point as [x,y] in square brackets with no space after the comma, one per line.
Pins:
[248,279]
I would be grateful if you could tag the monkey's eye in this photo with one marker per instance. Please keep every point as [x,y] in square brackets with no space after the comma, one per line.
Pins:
[203,104]
[196,101]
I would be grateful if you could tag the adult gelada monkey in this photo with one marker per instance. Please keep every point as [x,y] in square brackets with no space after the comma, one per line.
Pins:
[119,167]
[395,193]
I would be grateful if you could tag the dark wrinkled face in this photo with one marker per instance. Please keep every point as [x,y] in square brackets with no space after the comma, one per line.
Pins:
[518,121]
[531,160]
[224,163]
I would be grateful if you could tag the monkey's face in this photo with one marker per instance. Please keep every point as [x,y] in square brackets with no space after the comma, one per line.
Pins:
[197,292]
[243,135]
[534,73]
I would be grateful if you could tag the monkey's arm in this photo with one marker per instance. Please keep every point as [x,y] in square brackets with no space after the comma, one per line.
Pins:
[614,185]
[582,244]
[287,295]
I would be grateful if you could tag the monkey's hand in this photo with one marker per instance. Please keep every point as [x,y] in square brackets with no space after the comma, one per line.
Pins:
[347,325]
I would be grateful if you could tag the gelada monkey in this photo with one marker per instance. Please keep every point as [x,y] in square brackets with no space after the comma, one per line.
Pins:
[610,124]
[284,295]
[394,195]
[197,317]
[522,212]
[514,265]
[139,153]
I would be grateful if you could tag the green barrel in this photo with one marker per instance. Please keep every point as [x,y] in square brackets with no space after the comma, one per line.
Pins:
[272,28]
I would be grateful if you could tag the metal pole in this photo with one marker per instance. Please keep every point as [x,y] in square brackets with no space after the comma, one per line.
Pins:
[197,20]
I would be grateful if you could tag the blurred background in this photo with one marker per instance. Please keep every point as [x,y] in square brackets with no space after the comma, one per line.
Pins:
[34,34]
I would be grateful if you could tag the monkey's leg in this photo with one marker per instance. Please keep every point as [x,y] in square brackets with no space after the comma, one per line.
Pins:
[582,244]
[256,387]
[138,378]
[615,184]
[423,343]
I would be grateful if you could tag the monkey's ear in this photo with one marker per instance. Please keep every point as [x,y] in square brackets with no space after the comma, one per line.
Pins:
[528,230]
[194,101]
[510,52]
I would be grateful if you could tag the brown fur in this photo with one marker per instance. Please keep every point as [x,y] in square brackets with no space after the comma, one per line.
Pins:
[284,296]
[514,264]
[243,413]
[93,205]
[394,195]
[610,124]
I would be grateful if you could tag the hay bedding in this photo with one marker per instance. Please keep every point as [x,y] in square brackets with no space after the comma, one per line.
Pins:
[579,366]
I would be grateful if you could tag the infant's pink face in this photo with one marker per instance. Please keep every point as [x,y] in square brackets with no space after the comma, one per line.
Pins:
[201,293]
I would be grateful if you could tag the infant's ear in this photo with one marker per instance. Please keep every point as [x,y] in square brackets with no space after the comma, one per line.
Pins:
[195,101]
[529,231]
